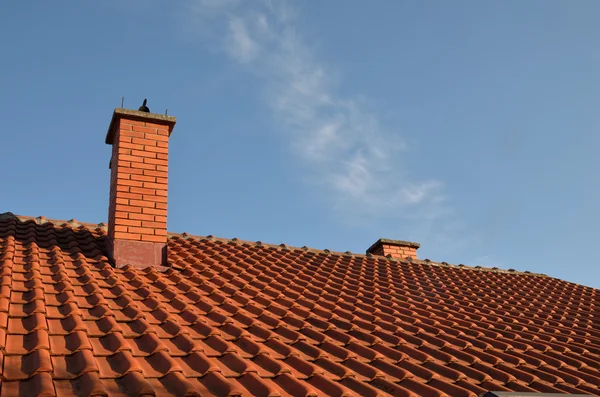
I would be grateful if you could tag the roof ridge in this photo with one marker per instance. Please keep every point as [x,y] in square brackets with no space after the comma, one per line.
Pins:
[41,220]
[73,223]
[425,261]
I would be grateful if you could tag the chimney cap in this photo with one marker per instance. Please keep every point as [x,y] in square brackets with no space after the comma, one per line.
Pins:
[398,243]
[138,116]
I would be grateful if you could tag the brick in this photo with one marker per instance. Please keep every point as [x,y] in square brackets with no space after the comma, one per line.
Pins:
[122,201]
[141,190]
[158,137]
[160,232]
[157,149]
[141,203]
[131,122]
[160,192]
[127,208]
[131,158]
[118,228]
[155,185]
[129,170]
[127,236]
[121,214]
[121,151]
[159,218]
[156,199]
[143,153]
[127,145]
[141,230]
[123,163]
[162,162]
[130,183]
[162,180]
[156,239]
[162,144]
[143,178]
[134,134]
[144,166]
[162,156]
[160,174]
[154,211]
[144,217]
[130,196]
[123,175]
[125,127]
[158,126]
[129,222]
[146,129]
[155,225]
[161,206]
[162,168]
[145,142]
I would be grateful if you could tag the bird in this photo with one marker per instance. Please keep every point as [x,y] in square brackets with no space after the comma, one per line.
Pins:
[144,108]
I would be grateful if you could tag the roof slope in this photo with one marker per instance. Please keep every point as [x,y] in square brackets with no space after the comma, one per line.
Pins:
[235,318]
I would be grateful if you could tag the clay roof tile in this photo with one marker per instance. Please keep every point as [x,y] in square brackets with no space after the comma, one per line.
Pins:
[231,317]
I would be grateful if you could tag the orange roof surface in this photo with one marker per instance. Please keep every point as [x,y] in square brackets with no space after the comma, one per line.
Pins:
[238,318]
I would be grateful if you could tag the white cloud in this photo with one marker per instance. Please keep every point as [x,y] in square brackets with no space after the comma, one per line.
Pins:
[240,45]
[344,147]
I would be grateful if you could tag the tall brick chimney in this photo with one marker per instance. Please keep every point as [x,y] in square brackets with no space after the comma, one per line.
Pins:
[398,249]
[137,212]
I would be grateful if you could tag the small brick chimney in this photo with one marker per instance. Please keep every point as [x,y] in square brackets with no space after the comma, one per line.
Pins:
[398,249]
[137,213]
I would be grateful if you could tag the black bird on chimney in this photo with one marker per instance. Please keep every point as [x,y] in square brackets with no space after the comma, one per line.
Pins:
[144,108]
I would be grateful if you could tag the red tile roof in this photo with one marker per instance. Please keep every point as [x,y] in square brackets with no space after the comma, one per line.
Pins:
[239,318]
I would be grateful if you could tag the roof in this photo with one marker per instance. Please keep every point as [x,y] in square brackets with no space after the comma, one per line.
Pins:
[239,318]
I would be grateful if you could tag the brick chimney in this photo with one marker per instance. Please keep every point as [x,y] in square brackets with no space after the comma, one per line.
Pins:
[137,212]
[398,249]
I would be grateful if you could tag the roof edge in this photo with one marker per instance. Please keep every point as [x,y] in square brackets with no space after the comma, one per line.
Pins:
[41,220]
[235,240]
[73,223]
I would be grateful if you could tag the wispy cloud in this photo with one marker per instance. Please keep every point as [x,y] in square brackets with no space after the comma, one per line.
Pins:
[240,45]
[343,146]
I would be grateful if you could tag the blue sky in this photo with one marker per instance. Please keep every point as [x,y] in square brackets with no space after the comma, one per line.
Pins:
[470,127]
